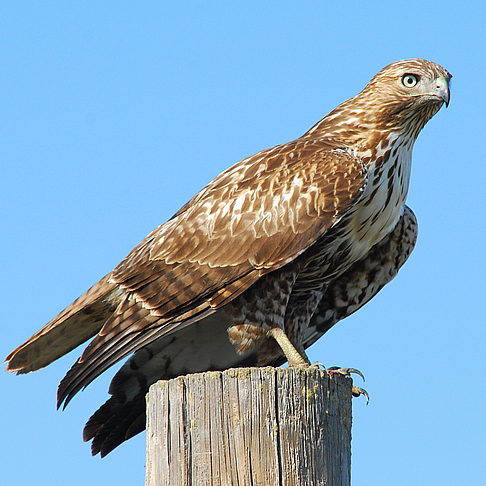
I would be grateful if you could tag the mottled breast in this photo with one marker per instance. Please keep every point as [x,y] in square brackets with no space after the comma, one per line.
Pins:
[373,217]
[381,205]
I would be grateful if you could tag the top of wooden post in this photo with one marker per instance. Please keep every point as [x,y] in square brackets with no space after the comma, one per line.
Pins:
[250,427]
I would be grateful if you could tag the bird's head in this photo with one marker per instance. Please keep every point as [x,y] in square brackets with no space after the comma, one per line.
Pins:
[407,92]
[401,98]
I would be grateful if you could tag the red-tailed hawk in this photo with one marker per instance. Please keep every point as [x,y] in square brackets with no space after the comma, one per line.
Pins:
[276,249]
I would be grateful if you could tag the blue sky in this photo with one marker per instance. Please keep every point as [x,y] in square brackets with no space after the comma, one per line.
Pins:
[113,114]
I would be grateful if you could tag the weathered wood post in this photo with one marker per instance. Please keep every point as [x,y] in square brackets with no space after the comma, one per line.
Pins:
[250,427]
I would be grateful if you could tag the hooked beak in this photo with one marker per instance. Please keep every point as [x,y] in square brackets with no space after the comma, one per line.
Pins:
[442,89]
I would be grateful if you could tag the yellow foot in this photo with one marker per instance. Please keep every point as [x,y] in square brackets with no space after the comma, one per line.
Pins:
[294,357]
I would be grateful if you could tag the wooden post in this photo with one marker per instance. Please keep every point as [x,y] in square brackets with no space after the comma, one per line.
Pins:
[250,427]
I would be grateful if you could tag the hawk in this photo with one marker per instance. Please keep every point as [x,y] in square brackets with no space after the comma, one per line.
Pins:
[260,263]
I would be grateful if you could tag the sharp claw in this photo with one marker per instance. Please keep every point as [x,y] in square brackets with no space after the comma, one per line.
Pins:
[357,372]
[357,391]
[346,371]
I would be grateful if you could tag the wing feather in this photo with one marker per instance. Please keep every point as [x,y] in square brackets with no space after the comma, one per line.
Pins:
[78,322]
[253,219]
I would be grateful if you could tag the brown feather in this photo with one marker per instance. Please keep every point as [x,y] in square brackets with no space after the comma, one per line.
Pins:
[73,326]
[162,294]
[297,236]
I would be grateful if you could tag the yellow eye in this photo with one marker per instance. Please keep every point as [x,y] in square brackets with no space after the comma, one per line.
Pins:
[410,80]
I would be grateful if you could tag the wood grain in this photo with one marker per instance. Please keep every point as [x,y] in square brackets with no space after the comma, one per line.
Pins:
[250,427]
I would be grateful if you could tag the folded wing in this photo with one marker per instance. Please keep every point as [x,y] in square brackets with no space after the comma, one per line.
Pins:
[252,219]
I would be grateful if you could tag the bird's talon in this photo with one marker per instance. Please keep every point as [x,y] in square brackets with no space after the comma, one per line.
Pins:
[357,391]
[345,371]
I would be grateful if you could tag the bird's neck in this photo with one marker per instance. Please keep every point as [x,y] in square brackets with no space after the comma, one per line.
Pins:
[368,132]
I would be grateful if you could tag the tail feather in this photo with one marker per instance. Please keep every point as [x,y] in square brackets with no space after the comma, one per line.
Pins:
[115,422]
[74,325]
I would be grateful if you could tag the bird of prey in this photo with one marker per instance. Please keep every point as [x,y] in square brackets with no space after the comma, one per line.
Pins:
[260,263]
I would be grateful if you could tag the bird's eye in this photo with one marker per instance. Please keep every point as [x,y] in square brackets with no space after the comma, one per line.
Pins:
[410,80]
